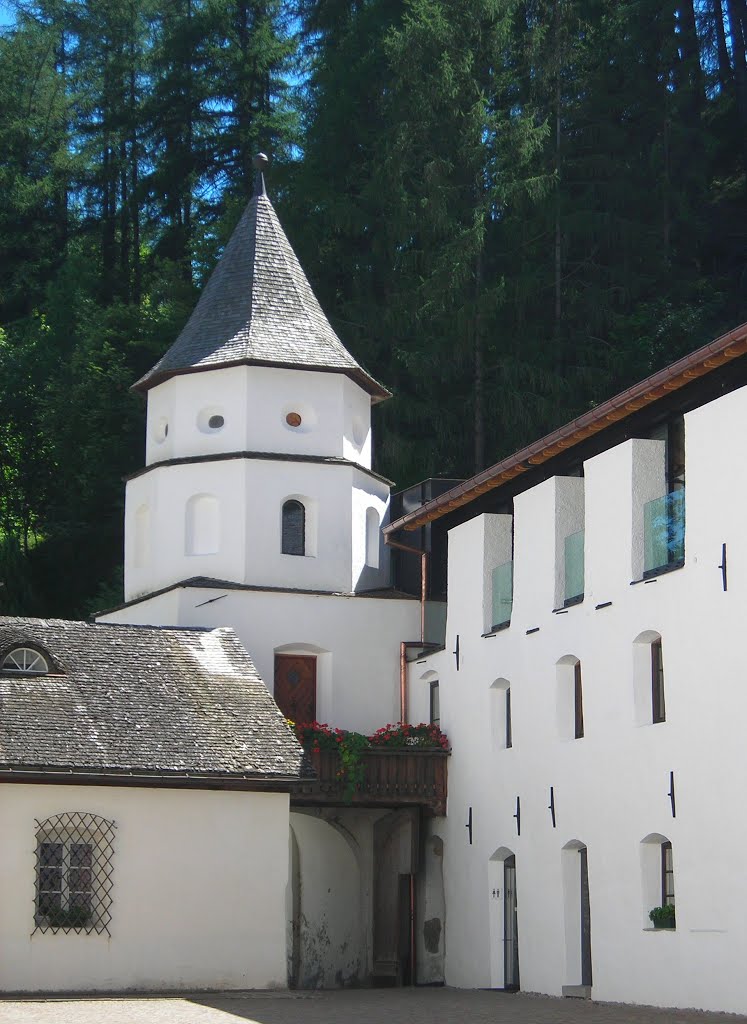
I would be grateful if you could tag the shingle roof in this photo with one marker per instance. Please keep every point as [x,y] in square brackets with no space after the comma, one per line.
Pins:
[258,307]
[141,698]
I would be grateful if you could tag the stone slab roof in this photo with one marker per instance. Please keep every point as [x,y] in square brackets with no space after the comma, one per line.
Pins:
[258,307]
[122,698]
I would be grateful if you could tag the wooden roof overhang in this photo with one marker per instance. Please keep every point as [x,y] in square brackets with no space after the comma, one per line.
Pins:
[677,375]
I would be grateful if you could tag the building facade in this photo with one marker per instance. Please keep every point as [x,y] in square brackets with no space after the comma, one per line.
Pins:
[144,799]
[591,686]
[588,677]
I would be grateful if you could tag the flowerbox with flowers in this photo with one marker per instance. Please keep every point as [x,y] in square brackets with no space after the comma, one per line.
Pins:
[398,764]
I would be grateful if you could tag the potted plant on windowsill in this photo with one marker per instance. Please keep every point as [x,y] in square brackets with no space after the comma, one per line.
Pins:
[663,917]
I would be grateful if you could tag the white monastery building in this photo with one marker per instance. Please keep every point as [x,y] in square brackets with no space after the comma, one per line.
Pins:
[569,617]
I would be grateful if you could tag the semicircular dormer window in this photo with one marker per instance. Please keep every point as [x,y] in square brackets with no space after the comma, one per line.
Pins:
[26,660]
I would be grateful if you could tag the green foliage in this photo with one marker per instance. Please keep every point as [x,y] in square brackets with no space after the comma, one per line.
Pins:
[663,917]
[351,746]
[71,917]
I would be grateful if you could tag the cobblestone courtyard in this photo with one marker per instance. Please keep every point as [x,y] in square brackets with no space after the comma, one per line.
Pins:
[398,1006]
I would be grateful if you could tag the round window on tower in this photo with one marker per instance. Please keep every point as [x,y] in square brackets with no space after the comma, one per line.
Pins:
[298,417]
[211,420]
[160,430]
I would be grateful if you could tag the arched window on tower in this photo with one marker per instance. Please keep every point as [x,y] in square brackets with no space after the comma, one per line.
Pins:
[372,538]
[294,528]
[202,533]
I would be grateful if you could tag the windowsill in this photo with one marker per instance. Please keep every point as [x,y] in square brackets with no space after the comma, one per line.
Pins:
[497,629]
[662,570]
[659,929]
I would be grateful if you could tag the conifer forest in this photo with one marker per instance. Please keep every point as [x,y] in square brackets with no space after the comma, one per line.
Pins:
[508,209]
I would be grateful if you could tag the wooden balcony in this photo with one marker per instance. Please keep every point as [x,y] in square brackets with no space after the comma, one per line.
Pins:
[392,778]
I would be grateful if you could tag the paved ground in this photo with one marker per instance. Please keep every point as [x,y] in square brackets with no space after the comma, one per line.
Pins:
[370,1006]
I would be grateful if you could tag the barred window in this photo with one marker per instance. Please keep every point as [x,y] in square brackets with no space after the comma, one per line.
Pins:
[74,873]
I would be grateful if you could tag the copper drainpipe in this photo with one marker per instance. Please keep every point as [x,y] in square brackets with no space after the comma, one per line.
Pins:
[403,703]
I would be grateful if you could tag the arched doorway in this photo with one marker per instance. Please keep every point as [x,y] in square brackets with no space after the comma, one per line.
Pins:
[577,917]
[504,921]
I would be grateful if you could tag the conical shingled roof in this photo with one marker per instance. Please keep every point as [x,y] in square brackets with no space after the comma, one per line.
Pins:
[258,307]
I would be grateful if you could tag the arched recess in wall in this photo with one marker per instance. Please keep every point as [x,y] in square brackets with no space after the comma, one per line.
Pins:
[141,546]
[431,917]
[657,874]
[644,667]
[430,692]
[501,724]
[330,914]
[202,529]
[373,538]
[569,698]
[503,917]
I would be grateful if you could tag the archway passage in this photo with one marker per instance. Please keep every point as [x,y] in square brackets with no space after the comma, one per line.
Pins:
[295,686]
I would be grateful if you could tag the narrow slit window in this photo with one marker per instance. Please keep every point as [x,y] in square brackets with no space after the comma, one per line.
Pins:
[509,739]
[435,704]
[578,702]
[294,528]
[667,875]
[657,683]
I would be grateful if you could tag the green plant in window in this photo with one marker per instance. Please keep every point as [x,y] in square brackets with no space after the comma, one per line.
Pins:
[71,917]
[663,917]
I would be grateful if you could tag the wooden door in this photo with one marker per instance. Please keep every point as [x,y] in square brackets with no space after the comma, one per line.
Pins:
[295,686]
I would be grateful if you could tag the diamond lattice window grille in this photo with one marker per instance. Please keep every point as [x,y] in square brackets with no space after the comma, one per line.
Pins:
[74,873]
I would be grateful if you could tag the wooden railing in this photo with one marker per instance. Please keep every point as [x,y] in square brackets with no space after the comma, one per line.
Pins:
[391,778]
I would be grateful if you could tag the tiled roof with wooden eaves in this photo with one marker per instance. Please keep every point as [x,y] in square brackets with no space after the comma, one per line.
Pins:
[140,699]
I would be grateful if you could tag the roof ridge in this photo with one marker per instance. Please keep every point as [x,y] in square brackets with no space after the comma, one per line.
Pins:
[274,225]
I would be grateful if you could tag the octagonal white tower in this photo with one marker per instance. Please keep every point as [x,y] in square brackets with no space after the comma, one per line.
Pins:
[255,407]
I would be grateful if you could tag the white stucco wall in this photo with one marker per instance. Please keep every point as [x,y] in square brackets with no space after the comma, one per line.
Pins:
[356,641]
[610,787]
[250,494]
[199,889]
[254,402]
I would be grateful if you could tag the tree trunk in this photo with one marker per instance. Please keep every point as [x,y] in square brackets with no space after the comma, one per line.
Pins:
[725,77]
[558,246]
[691,54]
[738,25]
[479,424]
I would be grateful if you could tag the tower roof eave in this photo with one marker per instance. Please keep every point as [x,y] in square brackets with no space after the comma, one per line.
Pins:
[364,380]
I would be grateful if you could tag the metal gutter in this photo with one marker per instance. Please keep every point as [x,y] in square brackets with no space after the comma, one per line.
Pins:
[697,364]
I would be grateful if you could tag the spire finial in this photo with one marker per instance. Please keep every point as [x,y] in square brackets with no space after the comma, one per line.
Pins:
[260,162]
